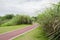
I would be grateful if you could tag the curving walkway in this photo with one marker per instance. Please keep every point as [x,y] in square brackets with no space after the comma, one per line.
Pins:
[9,35]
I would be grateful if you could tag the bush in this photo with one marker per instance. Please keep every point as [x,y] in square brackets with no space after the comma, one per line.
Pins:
[50,21]
[6,18]
[18,19]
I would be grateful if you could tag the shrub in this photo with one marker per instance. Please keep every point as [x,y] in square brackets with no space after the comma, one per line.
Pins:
[50,21]
[18,19]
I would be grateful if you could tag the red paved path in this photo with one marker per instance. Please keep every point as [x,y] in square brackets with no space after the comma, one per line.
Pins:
[9,35]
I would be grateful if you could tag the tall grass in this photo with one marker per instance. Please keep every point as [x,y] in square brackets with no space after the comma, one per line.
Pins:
[50,21]
[18,19]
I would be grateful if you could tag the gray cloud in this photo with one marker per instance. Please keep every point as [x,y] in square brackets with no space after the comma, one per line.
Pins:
[21,6]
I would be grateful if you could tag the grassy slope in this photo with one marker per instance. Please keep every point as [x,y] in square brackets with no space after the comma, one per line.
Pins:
[10,28]
[36,34]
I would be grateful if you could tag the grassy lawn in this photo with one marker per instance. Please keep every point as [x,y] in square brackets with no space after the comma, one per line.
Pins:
[36,34]
[10,28]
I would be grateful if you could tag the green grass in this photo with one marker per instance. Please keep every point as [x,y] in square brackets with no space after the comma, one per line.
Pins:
[11,28]
[36,34]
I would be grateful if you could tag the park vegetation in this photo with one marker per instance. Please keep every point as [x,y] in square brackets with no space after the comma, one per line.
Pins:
[10,20]
[50,21]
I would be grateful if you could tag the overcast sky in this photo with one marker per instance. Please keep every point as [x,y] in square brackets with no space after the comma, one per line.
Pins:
[28,7]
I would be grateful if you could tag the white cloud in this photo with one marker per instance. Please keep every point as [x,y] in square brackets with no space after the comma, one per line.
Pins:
[28,6]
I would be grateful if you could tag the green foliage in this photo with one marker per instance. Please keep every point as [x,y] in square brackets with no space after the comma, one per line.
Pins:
[18,19]
[34,19]
[50,21]
[44,19]
[6,18]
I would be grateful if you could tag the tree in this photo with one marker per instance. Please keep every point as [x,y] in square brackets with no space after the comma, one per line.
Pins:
[8,16]
[19,19]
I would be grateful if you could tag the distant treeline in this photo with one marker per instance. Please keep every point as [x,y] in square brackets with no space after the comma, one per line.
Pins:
[10,19]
